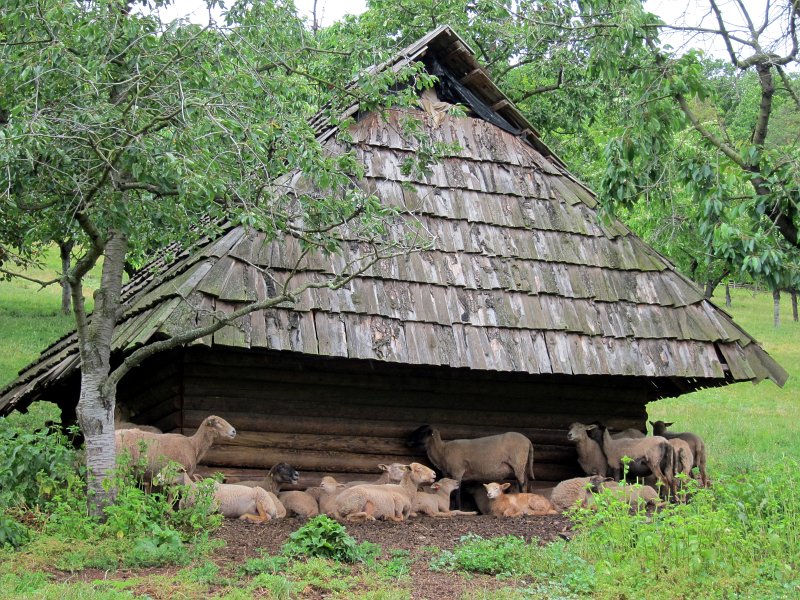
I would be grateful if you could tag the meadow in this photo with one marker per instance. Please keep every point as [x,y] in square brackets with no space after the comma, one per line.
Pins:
[739,539]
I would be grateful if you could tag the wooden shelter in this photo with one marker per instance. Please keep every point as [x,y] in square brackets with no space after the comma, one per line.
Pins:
[528,312]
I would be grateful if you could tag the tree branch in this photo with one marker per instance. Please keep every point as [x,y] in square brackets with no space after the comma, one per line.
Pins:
[545,88]
[40,282]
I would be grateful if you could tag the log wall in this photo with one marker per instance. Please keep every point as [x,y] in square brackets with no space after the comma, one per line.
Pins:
[344,417]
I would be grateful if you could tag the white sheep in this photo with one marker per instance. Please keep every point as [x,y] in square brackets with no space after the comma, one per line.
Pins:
[387,501]
[480,459]
[696,445]
[162,448]
[237,501]
[300,504]
[122,420]
[436,503]
[573,491]
[591,457]
[515,505]
[329,489]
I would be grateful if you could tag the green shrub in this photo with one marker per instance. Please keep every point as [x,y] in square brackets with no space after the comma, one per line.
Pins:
[12,533]
[271,565]
[163,546]
[33,465]
[502,556]
[325,538]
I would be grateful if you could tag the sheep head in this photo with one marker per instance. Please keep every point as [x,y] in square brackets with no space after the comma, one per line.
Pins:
[420,474]
[220,427]
[578,431]
[329,484]
[420,436]
[284,473]
[495,490]
[395,471]
[446,484]
[660,427]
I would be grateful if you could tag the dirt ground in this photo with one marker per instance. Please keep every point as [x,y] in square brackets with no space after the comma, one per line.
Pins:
[246,540]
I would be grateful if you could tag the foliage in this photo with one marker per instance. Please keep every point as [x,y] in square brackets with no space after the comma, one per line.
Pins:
[12,533]
[32,464]
[325,538]
[504,556]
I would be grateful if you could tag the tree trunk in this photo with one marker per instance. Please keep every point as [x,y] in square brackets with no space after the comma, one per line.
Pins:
[794,305]
[776,303]
[712,284]
[65,248]
[727,295]
[95,409]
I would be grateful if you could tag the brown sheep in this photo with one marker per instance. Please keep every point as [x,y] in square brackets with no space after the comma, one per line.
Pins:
[696,444]
[480,459]
[515,505]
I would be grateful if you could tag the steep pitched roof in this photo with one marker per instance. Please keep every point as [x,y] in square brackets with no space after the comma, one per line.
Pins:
[522,276]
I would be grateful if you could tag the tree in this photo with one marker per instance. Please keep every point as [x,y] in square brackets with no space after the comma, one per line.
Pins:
[744,179]
[122,133]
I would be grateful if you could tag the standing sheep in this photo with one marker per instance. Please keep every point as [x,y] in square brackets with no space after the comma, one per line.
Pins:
[515,505]
[480,459]
[695,442]
[591,457]
[161,448]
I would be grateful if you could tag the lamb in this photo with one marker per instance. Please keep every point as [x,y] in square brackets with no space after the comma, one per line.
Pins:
[161,448]
[437,502]
[388,501]
[696,445]
[515,505]
[654,452]
[481,459]
[574,491]
[238,501]
[392,473]
[591,457]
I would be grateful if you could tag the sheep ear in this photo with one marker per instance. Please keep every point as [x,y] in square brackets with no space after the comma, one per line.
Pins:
[590,427]
[505,486]
[668,424]
[652,424]
[383,467]
[486,485]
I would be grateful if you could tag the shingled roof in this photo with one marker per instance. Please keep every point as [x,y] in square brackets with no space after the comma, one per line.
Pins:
[523,274]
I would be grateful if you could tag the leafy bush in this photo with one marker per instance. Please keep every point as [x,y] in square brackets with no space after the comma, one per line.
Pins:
[32,465]
[12,533]
[325,538]
[163,546]
[271,565]
[502,556]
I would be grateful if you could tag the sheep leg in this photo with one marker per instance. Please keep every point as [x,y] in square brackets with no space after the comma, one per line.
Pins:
[259,518]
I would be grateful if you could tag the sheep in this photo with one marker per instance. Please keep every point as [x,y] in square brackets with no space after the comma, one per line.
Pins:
[591,457]
[573,491]
[515,505]
[279,474]
[437,502]
[300,504]
[480,459]
[388,501]
[329,489]
[392,473]
[237,501]
[634,495]
[122,421]
[696,445]
[161,448]
[654,452]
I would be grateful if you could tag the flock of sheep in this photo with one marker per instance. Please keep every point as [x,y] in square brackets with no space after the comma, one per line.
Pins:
[405,490]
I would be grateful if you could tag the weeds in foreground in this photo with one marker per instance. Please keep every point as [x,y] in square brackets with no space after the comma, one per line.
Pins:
[323,537]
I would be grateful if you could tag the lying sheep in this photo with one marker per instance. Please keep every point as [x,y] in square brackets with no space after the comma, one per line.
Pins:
[237,501]
[635,495]
[481,459]
[696,445]
[591,457]
[437,502]
[653,452]
[329,489]
[299,504]
[392,473]
[161,448]
[515,505]
[122,420]
[574,491]
[387,501]
[278,475]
